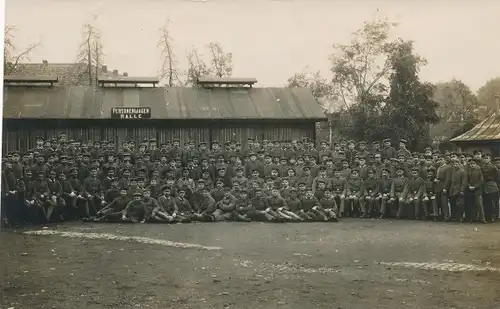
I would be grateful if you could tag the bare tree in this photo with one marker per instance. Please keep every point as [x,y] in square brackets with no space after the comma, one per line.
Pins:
[169,69]
[13,57]
[90,55]
[222,63]
[196,67]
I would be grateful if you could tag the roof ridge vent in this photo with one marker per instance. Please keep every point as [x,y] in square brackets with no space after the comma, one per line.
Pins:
[236,82]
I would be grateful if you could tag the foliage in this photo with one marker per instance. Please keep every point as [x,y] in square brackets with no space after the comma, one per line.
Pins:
[487,96]
[376,80]
[457,103]
[13,57]
[319,86]
[410,107]
[361,67]
[169,70]
[90,54]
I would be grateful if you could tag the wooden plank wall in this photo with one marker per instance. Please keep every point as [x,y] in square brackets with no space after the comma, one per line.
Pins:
[22,139]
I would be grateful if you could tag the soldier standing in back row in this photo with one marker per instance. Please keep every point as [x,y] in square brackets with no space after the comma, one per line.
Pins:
[490,195]
[456,193]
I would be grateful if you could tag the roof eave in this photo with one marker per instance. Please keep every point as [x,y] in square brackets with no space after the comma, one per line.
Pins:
[474,141]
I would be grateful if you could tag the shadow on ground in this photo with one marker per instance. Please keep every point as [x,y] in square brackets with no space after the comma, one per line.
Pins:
[308,265]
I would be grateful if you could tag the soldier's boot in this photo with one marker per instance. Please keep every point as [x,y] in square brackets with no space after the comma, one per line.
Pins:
[417,205]
[383,208]
[401,205]
[342,207]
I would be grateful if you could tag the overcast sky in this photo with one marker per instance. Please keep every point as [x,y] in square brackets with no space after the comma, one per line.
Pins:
[270,40]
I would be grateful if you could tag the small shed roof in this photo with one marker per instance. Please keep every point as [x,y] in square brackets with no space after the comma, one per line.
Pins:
[487,130]
[81,102]
[68,73]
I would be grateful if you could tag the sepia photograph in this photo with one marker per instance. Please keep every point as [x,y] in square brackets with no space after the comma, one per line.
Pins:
[263,154]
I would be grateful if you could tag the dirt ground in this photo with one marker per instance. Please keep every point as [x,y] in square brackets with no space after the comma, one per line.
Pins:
[303,266]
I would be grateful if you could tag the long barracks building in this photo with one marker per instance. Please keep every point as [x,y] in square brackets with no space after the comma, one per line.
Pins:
[135,109]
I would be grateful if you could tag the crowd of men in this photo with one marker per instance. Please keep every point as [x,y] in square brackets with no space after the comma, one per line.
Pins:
[275,181]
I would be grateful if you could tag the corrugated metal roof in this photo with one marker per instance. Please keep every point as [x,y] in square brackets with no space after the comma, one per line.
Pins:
[166,103]
[487,130]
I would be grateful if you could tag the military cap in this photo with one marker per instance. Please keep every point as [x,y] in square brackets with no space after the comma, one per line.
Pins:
[205,189]
[40,138]
[201,181]
[322,168]
[52,172]
[165,187]
[387,140]
[74,170]
[202,143]
[219,180]
[252,154]
[176,139]
[137,193]
[306,168]
[415,169]
[403,141]
[400,168]
[362,143]
[301,182]
[215,143]
[496,159]
[321,180]
[376,143]
[152,140]
[38,154]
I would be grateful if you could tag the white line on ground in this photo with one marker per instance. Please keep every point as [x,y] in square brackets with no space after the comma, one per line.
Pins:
[453,267]
[287,267]
[105,236]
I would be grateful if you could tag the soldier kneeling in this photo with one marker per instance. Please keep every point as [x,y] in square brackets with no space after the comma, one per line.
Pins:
[134,212]
[226,208]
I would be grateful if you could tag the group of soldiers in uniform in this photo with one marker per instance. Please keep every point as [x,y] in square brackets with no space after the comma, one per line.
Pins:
[275,181]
